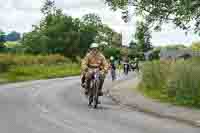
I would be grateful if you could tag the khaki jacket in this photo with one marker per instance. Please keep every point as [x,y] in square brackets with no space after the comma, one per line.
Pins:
[97,60]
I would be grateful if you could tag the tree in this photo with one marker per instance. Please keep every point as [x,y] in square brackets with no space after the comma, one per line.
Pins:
[2,40]
[48,7]
[195,46]
[112,51]
[35,42]
[56,33]
[92,19]
[155,54]
[106,34]
[63,34]
[59,33]
[143,37]
[133,52]
[116,39]
[133,44]
[183,13]
[89,30]
[2,36]
[93,30]
[125,51]
[13,36]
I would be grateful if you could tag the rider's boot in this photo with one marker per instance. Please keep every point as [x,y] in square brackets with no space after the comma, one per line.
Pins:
[86,92]
[83,83]
[87,85]
[100,93]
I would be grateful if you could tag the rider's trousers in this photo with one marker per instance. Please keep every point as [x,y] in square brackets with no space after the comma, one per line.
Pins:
[88,77]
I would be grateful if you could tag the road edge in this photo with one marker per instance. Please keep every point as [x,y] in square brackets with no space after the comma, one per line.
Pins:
[147,110]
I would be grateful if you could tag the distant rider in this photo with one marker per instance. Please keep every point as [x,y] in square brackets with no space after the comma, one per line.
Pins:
[113,68]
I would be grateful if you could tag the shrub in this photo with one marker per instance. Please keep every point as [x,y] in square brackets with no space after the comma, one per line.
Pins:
[155,73]
[5,62]
[13,59]
[184,83]
[178,82]
[20,73]
[3,67]
[28,67]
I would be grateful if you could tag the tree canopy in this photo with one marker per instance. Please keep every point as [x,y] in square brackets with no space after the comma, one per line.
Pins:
[183,13]
[143,37]
[13,36]
[2,40]
[2,36]
[60,33]
[195,46]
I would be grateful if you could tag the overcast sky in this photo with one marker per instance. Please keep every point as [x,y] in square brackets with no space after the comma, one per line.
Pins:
[20,15]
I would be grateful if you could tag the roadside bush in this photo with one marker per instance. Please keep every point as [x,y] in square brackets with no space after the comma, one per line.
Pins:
[177,82]
[32,72]
[184,83]
[155,54]
[155,74]
[3,67]
[13,59]
[5,62]
[29,67]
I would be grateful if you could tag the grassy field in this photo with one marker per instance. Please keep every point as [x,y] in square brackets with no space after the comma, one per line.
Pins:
[11,44]
[15,68]
[175,82]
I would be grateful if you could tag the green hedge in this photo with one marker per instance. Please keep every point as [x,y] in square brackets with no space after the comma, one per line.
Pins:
[28,67]
[177,82]
[21,73]
[14,59]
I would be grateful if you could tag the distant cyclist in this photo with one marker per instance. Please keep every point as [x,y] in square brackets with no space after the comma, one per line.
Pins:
[126,66]
[113,68]
[137,64]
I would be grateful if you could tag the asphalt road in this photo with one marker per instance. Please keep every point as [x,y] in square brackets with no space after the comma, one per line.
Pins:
[58,106]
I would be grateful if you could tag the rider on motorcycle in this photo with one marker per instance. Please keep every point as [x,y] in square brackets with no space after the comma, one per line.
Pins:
[93,59]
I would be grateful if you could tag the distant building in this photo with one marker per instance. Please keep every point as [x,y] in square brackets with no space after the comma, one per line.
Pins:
[148,54]
[175,54]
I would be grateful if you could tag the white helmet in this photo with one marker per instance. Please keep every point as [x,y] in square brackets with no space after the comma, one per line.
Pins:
[94,45]
[111,58]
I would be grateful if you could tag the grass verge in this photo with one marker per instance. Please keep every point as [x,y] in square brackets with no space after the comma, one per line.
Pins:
[177,82]
[35,72]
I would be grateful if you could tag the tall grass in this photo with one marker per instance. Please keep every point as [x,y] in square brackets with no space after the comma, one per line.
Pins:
[10,44]
[21,73]
[28,67]
[14,59]
[177,82]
